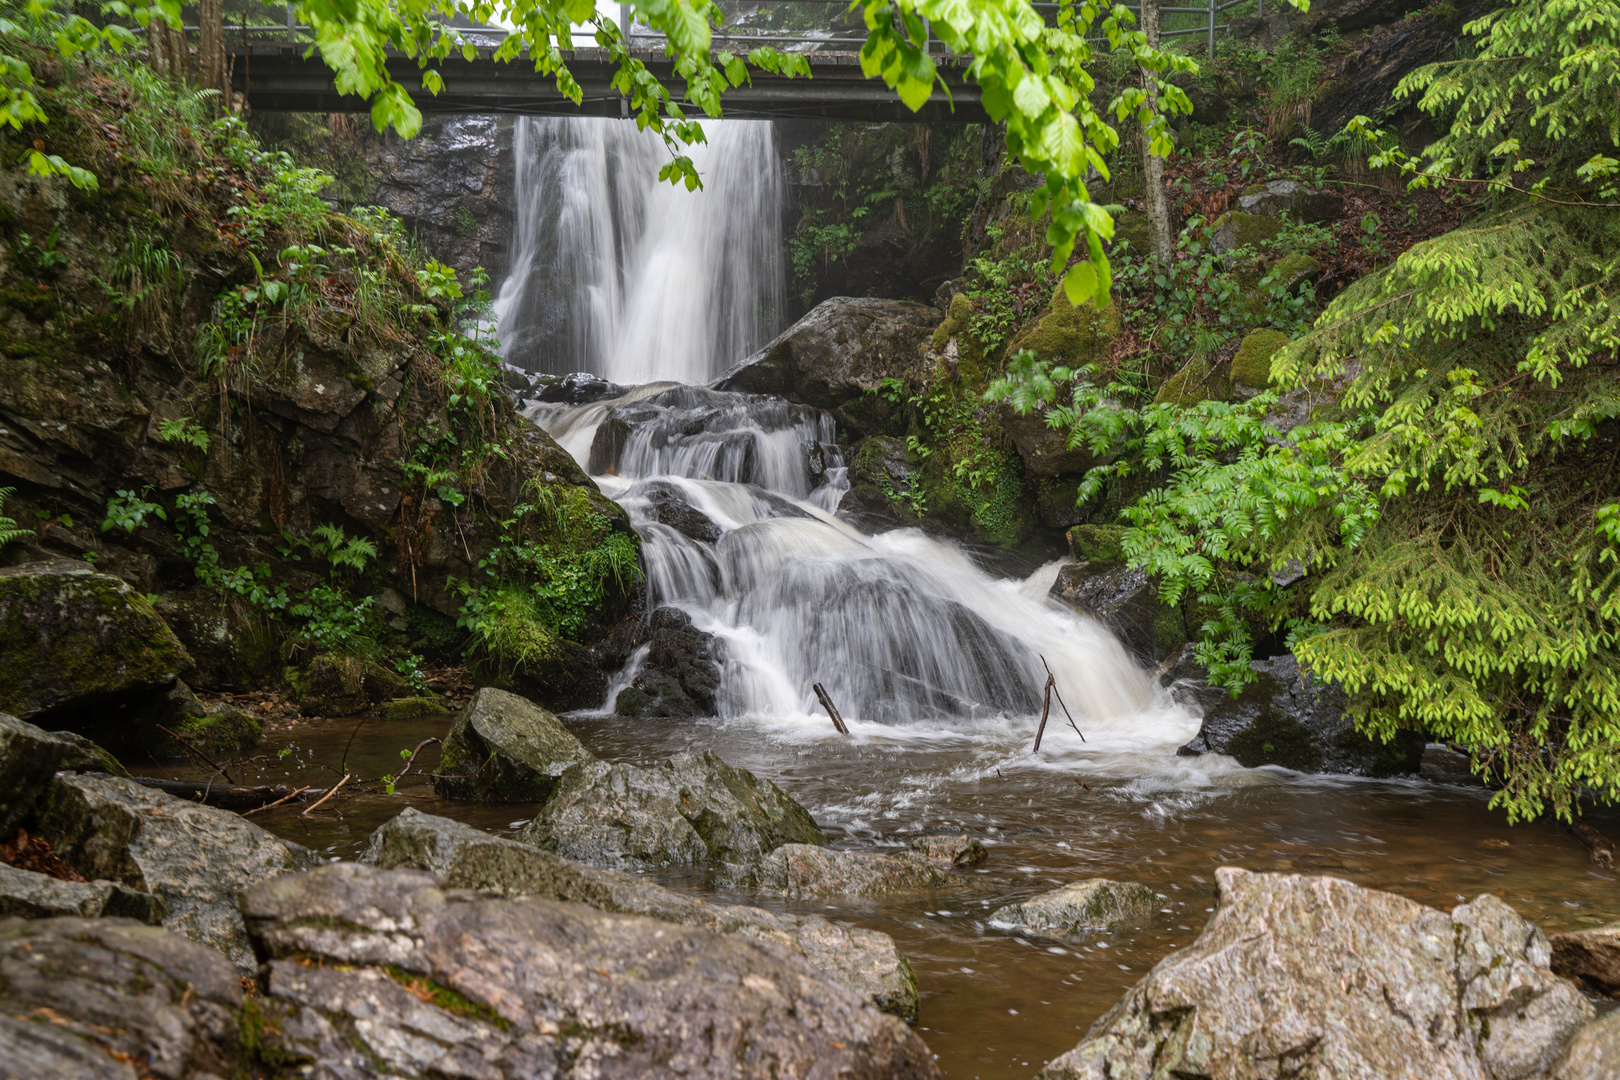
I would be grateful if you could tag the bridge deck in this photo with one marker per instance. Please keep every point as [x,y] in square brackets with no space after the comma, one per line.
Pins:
[277,78]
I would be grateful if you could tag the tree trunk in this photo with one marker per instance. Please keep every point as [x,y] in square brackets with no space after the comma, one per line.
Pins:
[171,57]
[211,49]
[1152,165]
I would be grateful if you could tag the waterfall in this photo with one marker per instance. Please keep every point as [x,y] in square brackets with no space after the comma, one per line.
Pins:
[619,274]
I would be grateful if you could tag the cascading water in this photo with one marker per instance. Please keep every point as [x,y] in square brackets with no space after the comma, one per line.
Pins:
[619,274]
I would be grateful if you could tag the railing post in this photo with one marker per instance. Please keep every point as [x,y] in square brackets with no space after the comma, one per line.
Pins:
[1212,29]
[292,25]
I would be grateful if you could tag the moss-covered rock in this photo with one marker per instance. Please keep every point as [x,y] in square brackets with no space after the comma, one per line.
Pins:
[1074,335]
[505,749]
[214,727]
[335,685]
[1236,229]
[1198,380]
[1135,228]
[411,708]
[1101,544]
[1293,271]
[74,642]
[1251,366]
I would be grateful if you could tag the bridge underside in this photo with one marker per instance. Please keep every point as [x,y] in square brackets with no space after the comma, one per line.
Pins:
[279,79]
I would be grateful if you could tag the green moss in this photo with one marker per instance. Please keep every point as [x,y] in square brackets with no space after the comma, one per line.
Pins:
[1235,229]
[1135,228]
[1098,543]
[1251,367]
[1194,383]
[441,996]
[1294,270]
[409,708]
[223,730]
[1067,332]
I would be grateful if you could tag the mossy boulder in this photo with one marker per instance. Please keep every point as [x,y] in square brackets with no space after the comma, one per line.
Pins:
[505,749]
[1236,229]
[75,643]
[411,708]
[336,685]
[1294,271]
[214,727]
[1198,380]
[1251,366]
[1073,334]
[1135,228]
[1101,544]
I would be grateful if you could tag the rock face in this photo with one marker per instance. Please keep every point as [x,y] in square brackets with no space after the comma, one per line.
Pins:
[403,977]
[1590,957]
[844,347]
[505,749]
[694,808]
[1093,904]
[74,642]
[1298,201]
[1593,1054]
[864,961]
[802,871]
[1126,601]
[680,676]
[29,757]
[28,895]
[1313,976]
[1287,718]
[195,859]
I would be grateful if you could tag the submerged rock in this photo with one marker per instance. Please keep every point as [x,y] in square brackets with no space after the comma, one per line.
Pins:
[1092,904]
[844,347]
[1288,718]
[1590,957]
[802,871]
[951,849]
[195,859]
[1126,600]
[503,749]
[392,974]
[75,643]
[861,960]
[1313,976]
[616,815]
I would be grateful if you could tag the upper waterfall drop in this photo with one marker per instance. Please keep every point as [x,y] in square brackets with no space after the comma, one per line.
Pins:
[620,274]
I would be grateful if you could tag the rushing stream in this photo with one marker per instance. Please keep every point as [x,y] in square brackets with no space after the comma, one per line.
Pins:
[936,663]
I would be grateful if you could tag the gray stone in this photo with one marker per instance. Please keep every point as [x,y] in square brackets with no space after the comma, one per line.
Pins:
[85,755]
[27,895]
[1092,904]
[1126,600]
[616,815]
[503,749]
[392,973]
[1298,201]
[679,677]
[844,347]
[802,871]
[861,960]
[1590,957]
[29,757]
[1313,976]
[667,505]
[1045,450]
[195,859]
[740,816]
[951,849]
[1593,1054]
[1288,718]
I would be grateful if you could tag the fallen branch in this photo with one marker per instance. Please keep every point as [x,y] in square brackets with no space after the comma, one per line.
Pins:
[412,760]
[317,803]
[1052,679]
[1046,707]
[220,769]
[832,710]
[1602,847]
[225,797]
[278,802]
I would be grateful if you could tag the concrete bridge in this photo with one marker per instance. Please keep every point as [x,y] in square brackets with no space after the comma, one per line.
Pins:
[276,77]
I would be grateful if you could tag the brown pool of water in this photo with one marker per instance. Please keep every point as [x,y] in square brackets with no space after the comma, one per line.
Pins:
[997,1004]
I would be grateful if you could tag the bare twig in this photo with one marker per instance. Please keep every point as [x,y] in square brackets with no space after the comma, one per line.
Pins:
[1046,707]
[317,803]
[1052,679]
[278,802]
[218,768]
[412,760]
[832,710]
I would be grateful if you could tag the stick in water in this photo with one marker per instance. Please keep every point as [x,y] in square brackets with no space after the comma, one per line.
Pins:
[1051,678]
[278,802]
[832,710]
[316,805]
[1046,707]
[220,769]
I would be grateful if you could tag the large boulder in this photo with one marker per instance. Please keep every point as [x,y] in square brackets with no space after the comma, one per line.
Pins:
[195,859]
[29,758]
[1301,202]
[616,815]
[1593,1054]
[1288,717]
[395,974]
[843,348]
[1313,976]
[740,816]
[861,960]
[1590,957]
[1092,904]
[505,749]
[680,676]
[804,871]
[1126,600]
[76,645]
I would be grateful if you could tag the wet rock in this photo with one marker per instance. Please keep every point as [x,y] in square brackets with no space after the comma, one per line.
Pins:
[740,816]
[84,755]
[1237,229]
[669,507]
[1444,765]
[25,894]
[118,994]
[195,859]
[1044,450]
[1313,976]
[844,347]
[607,445]
[75,643]
[616,815]
[579,388]
[864,961]
[951,849]
[1288,718]
[335,685]
[1590,957]
[232,651]
[1126,600]
[215,727]
[1299,201]
[1593,1053]
[29,758]
[1188,682]
[1092,904]
[681,674]
[803,872]
[387,966]
[505,749]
